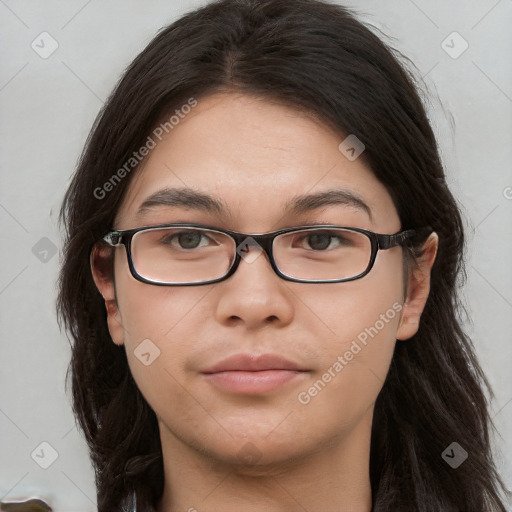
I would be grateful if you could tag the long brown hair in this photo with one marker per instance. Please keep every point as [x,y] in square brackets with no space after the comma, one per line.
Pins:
[317,57]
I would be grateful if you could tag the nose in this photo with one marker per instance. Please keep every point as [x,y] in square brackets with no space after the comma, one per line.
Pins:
[254,296]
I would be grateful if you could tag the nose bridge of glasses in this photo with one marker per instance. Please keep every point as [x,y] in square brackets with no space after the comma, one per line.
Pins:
[245,241]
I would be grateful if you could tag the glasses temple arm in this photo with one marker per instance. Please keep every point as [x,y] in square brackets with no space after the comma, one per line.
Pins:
[113,238]
[413,235]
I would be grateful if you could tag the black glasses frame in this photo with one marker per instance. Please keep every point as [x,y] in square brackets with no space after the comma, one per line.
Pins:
[378,242]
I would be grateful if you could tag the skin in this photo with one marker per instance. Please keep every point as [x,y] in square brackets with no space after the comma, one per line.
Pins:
[255,155]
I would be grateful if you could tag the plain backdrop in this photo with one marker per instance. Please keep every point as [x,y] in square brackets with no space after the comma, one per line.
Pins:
[48,104]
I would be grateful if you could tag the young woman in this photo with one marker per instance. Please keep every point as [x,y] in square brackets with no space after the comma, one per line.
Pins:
[260,279]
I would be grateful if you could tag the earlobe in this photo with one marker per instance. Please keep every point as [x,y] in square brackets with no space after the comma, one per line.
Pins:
[418,290]
[102,268]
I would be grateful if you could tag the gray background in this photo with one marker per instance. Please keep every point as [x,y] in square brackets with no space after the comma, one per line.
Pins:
[48,106]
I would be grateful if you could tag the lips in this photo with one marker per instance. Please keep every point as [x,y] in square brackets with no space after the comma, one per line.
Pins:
[251,363]
[248,374]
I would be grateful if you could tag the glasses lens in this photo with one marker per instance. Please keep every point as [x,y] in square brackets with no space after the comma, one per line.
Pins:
[323,254]
[182,254]
[194,255]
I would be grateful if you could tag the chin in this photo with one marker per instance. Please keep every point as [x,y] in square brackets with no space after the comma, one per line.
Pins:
[258,457]
[256,450]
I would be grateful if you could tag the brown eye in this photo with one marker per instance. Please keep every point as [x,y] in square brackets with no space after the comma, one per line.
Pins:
[319,241]
[186,240]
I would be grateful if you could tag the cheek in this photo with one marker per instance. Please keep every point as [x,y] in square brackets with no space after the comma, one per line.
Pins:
[355,367]
[346,311]
[359,320]
[150,311]
[152,318]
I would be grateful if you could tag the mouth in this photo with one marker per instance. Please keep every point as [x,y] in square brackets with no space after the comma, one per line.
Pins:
[247,374]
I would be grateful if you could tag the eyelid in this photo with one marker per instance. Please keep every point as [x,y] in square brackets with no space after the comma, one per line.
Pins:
[315,222]
[297,223]
[319,223]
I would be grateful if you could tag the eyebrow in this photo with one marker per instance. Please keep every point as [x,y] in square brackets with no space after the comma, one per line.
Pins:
[303,203]
[307,202]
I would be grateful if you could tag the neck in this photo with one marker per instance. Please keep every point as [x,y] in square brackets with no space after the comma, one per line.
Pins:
[334,477]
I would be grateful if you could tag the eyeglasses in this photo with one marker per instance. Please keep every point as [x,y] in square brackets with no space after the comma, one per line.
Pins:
[194,254]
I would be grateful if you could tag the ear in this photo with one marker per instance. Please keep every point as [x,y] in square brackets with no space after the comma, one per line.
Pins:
[102,268]
[418,289]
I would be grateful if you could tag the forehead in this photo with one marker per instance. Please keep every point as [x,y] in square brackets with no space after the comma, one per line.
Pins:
[258,161]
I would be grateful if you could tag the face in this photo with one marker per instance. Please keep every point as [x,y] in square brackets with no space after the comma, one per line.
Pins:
[337,339]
